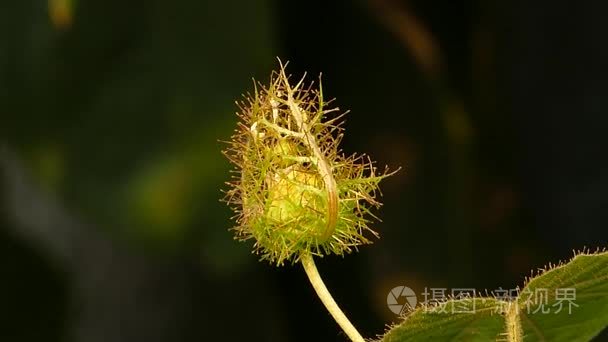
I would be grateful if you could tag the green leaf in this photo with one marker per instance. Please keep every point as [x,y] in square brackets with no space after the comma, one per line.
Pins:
[568,302]
[441,324]
[587,274]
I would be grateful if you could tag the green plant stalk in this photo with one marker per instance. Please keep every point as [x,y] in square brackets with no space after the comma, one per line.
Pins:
[513,324]
[317,283]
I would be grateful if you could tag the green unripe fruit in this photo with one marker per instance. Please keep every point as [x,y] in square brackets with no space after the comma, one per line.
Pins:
[290,194]
[295,191]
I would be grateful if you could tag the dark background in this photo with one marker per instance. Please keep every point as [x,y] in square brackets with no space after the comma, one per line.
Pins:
[111,112]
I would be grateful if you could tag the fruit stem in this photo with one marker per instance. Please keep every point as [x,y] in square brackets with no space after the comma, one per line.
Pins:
[317,283]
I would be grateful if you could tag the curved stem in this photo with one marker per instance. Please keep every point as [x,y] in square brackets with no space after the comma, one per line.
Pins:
[322,164]
[327,299]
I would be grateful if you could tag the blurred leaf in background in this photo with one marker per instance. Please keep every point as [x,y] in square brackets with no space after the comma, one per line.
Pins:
[123,105]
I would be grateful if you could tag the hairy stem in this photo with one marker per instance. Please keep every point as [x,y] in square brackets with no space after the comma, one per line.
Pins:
[513,324]
[327,299]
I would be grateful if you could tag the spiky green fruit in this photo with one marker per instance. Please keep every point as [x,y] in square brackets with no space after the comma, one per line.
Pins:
[295,192]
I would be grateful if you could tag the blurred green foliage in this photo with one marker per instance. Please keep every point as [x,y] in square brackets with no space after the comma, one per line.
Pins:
[118,108]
